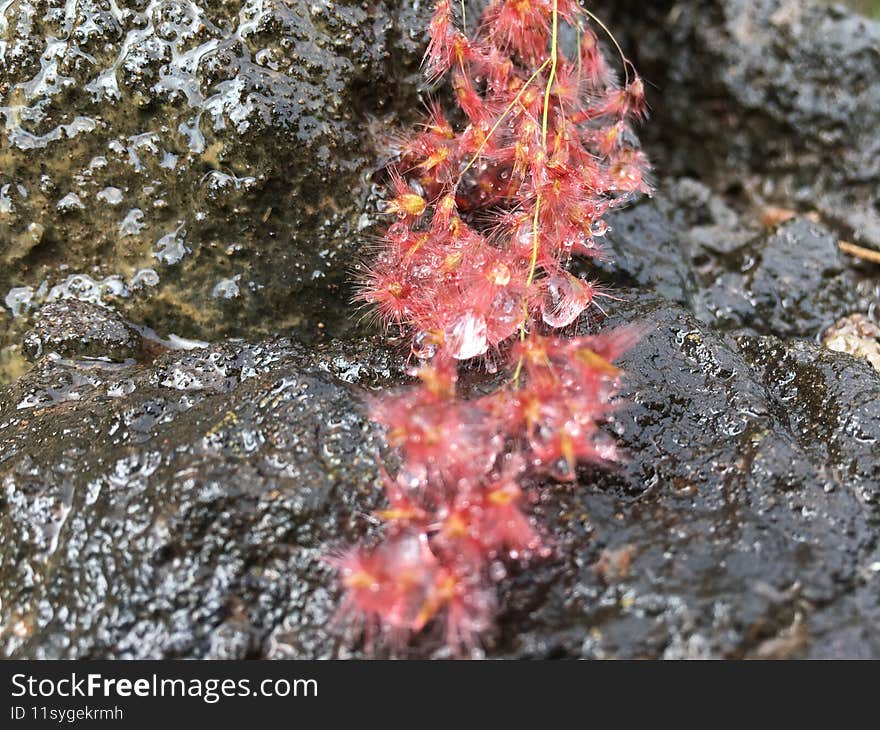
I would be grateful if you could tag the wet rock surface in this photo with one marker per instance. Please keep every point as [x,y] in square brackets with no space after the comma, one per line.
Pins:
[747,510]
[791,282]
[181,508]
[689,246]
[71,328]
[202,165]
[777,99]
[160,502]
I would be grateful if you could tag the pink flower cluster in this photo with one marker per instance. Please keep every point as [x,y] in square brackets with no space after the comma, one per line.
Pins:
[487,215]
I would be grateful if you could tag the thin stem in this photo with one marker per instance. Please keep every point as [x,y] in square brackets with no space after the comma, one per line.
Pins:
[522,338]
[500,119]
[554,58]
[533,265]
[614,41]
[534,260]
[516,373]
[463,17]
[580,38]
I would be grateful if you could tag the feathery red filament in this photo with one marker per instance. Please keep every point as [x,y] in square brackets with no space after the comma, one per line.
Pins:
[487,214]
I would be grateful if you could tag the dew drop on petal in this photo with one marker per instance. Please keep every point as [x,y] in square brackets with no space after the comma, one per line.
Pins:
[505,317]
[562,469]
[524,237]
[425,344]
[599,228]
[565,298]
[467,338]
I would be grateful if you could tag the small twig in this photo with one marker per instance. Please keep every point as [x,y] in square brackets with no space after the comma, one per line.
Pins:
[623,59]
[500,119]
[866,254]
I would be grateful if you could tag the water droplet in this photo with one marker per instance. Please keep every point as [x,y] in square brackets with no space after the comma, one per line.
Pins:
[497,571]
[505,316]
[227,288]
[467,337]
[425,344]
[565,297]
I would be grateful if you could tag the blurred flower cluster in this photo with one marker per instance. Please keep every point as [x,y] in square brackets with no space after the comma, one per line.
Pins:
[489,205]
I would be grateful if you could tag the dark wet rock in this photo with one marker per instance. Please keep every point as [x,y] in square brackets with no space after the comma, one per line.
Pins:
[747,510]
[180,146]
[830,401]
[704,221]
[181,508]
[688,246]
[75,329]
[643,248]
[791,283]
[779,98]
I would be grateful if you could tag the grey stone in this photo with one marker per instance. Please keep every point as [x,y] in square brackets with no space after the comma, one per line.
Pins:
[76,329]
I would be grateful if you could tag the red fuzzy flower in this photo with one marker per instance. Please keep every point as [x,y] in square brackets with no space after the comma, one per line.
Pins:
[486,219]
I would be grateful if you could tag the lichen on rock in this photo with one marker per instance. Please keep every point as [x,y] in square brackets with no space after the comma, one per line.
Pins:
[198,141]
